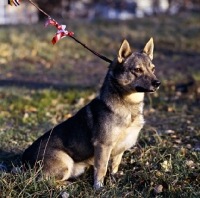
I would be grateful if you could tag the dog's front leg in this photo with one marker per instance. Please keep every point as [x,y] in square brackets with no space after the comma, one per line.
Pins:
[101,157]
[115,163]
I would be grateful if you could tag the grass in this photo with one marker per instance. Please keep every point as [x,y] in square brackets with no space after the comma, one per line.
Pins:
[42,85]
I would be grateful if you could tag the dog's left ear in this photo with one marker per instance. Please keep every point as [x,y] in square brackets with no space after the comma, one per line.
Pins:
[148,49]
[124,51]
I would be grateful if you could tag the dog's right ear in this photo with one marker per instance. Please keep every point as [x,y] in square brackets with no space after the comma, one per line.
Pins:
[124,51]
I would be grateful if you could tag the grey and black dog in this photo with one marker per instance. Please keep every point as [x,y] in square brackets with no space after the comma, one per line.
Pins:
[103,129]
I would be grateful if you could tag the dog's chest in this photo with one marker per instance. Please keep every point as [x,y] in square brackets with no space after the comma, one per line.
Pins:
[128,137]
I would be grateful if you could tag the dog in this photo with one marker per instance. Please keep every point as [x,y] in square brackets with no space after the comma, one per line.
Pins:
[102,130]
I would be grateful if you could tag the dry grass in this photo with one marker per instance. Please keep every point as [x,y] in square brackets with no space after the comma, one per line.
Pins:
[53,82]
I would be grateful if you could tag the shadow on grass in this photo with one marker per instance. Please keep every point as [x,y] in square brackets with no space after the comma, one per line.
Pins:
[10,159]
[43,85]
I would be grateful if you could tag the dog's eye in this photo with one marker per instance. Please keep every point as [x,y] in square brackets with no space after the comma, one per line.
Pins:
[138,70]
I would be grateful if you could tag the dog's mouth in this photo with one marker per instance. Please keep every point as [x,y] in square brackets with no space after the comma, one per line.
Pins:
[142,89]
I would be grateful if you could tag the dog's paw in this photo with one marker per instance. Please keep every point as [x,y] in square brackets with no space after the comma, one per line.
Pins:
[98,185]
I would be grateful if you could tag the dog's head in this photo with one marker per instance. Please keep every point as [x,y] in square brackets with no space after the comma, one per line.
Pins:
[134,72]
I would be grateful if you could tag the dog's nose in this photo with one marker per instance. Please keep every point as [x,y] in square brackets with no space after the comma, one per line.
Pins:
[156,83]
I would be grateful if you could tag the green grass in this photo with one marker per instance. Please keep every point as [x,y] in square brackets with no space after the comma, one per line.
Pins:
[56,81]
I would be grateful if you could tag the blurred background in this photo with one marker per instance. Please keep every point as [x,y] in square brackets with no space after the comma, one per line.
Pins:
[102,25]
[91,9]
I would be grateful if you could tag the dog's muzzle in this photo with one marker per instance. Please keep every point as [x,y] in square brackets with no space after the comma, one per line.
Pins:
[154,86]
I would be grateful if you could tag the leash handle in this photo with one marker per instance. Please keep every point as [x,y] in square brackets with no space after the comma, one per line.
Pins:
[85,46]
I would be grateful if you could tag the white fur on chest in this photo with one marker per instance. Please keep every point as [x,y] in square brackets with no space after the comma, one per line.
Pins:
[129,136]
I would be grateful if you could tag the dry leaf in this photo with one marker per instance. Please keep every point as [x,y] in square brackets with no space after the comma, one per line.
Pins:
[25,116]
[170,109]
[54,120]
[178,141]
[9,74]
[188,146]
[80,102]
[64,195]
[190,163]
[120,172]
[69,115]
[174,136]
[13,141]
[34,52]
[158,173]
[48,114]
[92,96]
[158,189]
[132,161]
[190,128]
[169,131]
[166,165]
[31,109]
[183,151]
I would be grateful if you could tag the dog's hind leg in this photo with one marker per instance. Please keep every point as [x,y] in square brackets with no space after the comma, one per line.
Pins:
[58,164]
[115,162]
[78,169]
